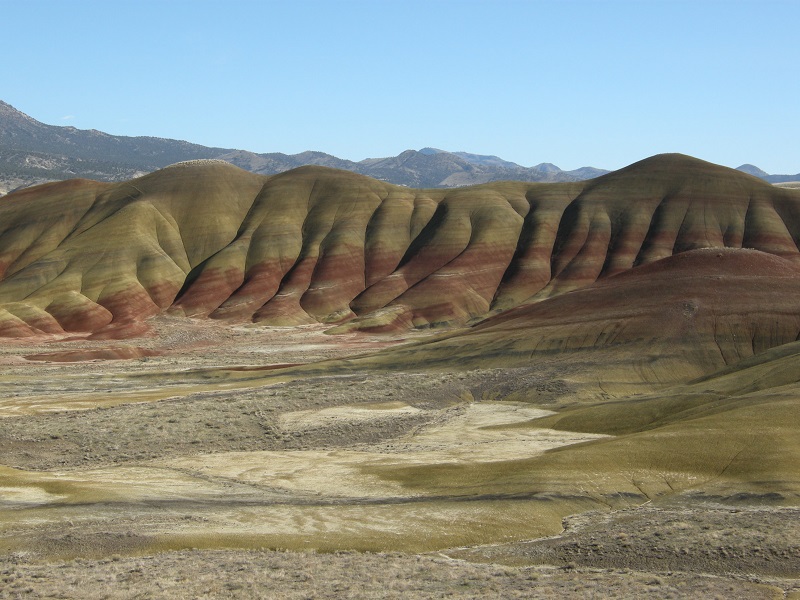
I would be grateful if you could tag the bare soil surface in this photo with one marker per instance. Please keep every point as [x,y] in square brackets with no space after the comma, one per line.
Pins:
[265,574]
[181,473]
[746,541]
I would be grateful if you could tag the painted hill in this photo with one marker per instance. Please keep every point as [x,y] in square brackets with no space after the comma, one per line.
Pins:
[688,363]
[206,239]
[662,323]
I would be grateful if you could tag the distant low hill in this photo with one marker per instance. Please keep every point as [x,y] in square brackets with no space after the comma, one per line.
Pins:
[32,152]
[754,170]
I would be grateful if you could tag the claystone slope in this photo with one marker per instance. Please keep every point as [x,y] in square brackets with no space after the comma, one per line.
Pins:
[663,323]
[206,239]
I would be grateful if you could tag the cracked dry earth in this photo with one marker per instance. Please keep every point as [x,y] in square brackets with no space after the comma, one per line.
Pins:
[159,477]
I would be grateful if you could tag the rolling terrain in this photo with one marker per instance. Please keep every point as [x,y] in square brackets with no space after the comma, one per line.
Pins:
[513,389]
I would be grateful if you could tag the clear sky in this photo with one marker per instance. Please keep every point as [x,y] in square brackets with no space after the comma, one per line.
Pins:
[576,83]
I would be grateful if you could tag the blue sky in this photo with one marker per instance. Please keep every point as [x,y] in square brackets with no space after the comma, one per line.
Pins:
[575,83]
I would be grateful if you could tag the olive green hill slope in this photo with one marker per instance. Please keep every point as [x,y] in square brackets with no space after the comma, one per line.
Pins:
[728,434]
[731,435]
[205,239]
[741,448]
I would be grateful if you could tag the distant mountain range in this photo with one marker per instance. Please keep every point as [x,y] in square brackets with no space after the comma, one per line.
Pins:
[754,170]
[32,152]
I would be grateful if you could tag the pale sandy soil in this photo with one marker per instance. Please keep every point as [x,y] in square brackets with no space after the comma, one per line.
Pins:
[462,438]
[328,493]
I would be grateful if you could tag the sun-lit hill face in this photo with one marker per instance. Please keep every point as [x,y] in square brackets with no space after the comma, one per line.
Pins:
[206,239]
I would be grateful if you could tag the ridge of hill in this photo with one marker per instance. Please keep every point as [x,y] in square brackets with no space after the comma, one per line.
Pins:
[206,239]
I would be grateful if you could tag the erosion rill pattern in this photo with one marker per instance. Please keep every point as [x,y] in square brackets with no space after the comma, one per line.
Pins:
[205,239]
[666,322]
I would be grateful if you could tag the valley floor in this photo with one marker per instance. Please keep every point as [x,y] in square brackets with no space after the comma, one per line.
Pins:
[203,469]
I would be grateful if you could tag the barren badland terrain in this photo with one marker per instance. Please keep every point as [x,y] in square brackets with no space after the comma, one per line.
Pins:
[215,383]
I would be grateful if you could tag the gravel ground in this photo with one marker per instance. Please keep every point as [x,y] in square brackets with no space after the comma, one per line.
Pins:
[266,574]
[694,536]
